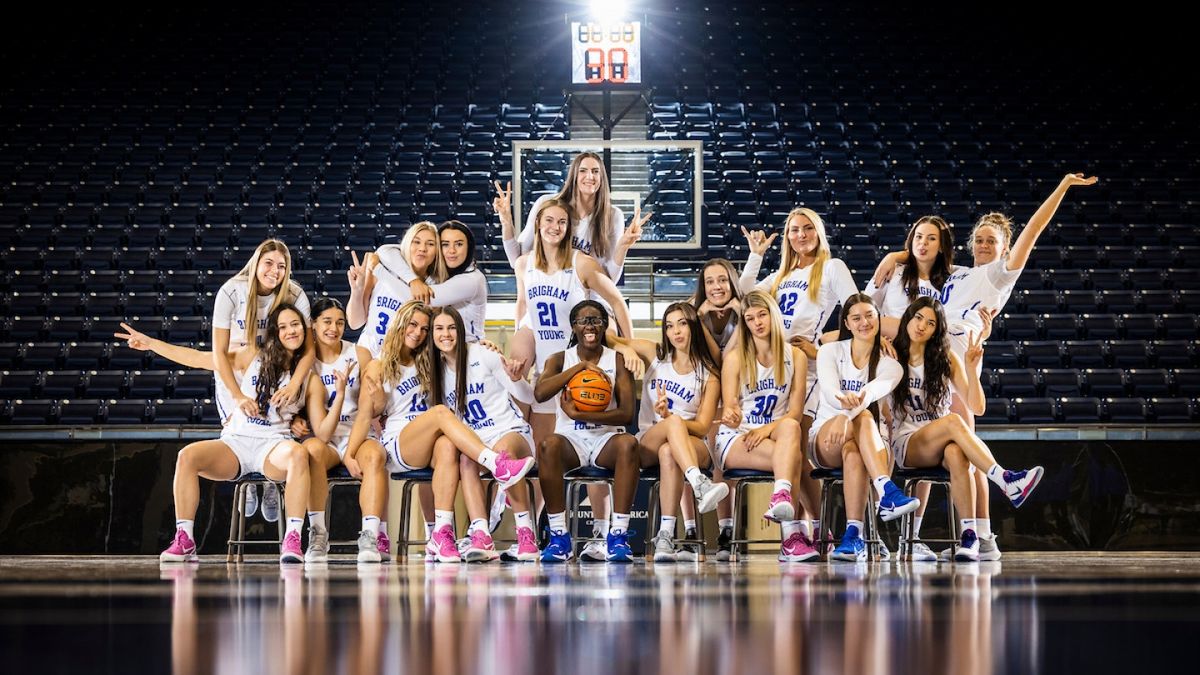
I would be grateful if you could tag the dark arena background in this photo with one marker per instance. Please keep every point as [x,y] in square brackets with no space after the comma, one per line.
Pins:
[147,149]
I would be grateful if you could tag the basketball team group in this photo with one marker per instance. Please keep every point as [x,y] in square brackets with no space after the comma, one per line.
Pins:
[741,379]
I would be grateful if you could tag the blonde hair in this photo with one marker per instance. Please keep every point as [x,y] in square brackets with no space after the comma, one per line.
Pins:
[777,344]
[249,273]
[394,349]
[436,270]
[1001,222]
[599,224]
[563,253]
[791,260]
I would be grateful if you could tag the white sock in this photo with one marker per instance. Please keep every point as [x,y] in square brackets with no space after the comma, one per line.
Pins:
[478,525]
[600,527]
[790,527]
[316,519]
[966,524]
[816,528]
[725,523]
[524,519]
[488,459]
[857,525]
[371,524]
[806,528]
[996,475]
[689,525]
[383,526]
[667,524]
[917,525]
[186,526]
[983,527]
[443,518]
[880,483]
[620,522]
[783,485]
[294,525]
[694,476]
[429,529]
[558,521]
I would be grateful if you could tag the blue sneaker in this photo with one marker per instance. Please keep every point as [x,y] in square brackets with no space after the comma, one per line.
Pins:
[895,503]
[968,548]
[1018,484]
[559,549]
[618,547]
[852,548]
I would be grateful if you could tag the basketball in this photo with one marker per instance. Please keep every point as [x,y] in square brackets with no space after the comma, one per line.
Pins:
[590,391]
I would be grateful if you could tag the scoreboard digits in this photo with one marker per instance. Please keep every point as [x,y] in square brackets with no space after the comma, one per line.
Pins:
[606,53]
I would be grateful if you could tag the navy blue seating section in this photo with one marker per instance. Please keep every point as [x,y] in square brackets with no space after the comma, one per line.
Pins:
[131,194]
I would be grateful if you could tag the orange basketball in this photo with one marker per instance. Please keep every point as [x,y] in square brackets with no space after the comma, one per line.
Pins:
[590,391]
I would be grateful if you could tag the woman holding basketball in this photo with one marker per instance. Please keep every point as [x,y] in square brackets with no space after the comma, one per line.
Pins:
[926,434]
[257,437]
[679,402]
[762,389]
[478,385]
[398,385]
[585,438]
[852,375]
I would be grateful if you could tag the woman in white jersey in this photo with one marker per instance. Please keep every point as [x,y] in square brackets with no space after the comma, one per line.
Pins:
[257,438]
[597,229]
[399,385]
[465,288]
[972,292]
[852,375]
[239,318]
[333,391]
[679,403]
[718,301]
[926,434]
[478,385]
[376,294]
[930,248]
[762,391]
[583,438]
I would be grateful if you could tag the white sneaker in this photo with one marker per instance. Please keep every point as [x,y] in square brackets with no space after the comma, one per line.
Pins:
[922,553]
[595,551]
[270,503]
[497,511]
[989,548]
[946,554]
[250,506]
[709,494]
[664,547]
[885,554]
[368,552]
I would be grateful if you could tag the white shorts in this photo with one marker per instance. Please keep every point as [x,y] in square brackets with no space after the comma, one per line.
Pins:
[588,444]
[725,439]
[395,463]
[811,447]
[491,437]
[812,397]
[899,446]
[340,444]
[251,451]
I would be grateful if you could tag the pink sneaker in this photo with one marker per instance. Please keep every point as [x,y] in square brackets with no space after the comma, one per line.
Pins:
[182,549]
[509,470]
[481,548]
[797,548]
[385,547]
[441,546]
[290,551]
[527,550]
[780,508]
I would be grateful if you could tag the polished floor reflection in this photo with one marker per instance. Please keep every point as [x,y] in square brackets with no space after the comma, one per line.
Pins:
[1031,613]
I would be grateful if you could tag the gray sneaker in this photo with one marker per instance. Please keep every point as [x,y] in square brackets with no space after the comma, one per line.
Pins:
[250,506]
[709,494]
[318,545]
[989,549]
[368,548]
[922,553]
[664,547]
[270,503]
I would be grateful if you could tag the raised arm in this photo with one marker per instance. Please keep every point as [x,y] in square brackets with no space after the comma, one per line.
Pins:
[368,408]
[759,242]
[1023,246]
[184,356]
[360,295]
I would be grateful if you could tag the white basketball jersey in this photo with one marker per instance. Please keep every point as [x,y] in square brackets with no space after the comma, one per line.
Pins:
[406,399]
[229,311]
[893,299]
[608,364]
[969,289]
[549,299]
[350,402]
[917,410]
[387,297]
[683,392]
[489,405]
[765,400]
[849,378]
[802,316]
[274,422]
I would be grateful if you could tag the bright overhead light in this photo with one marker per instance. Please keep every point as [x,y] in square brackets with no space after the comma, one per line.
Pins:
[608,11]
